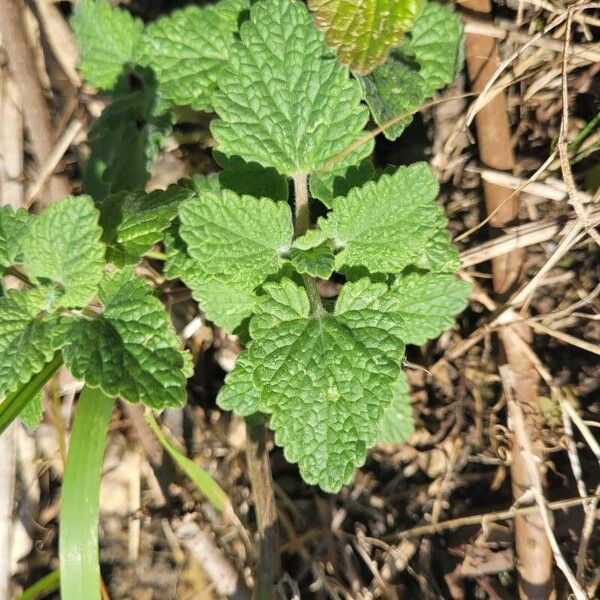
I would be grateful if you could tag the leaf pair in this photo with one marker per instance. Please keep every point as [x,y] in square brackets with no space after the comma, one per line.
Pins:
[125,346]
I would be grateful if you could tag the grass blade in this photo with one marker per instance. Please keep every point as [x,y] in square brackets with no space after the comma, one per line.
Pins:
[16,401]
[42,587]
[207,486]
[78,534]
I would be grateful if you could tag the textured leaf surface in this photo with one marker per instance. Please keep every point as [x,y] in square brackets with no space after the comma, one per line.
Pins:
[133,221]
[13,225]
[188,48]
[283,100]
[428,303]
[397,424]
[33,412]
[316,262]
[28,339]
[325,378]
[386,225]
[339,182]
[392,89]
[125,140]
[130,350]
[63,246]
[236,239]
[239,393]
[364,31]
[435,43]
[106,37]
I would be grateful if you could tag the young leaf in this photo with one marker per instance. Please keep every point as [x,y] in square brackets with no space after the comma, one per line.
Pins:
[28,338]
[188,48]
[134,221]
[239,394]
[392,89]
[62,245]
[235,239]
[397,423]
[316,262]
[130,350]
[428,303]
[13,225]
[325,378]
[283,101]
[125,140]
[435,44]
[364,31]
[106,37]
[386,225]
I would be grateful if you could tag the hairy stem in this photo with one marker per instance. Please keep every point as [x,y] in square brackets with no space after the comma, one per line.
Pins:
[301,201]
[259,467]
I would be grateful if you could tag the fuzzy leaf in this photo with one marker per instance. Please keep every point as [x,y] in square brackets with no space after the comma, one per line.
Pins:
[339,182]
[234,239]
[316,262]
[188,48]
[63,246]
[13,227]
[28,338]
[130,350]
[283,101]
[134,221]
[238,394]
[107,37]
[386,225]
[435,44]
[392,89]
[428,303]
[125,140]
[397,424]
[364,31]
[325,378]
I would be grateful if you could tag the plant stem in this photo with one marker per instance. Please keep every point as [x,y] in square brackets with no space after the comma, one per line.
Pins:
[79,511]
[301,201]
[259,467]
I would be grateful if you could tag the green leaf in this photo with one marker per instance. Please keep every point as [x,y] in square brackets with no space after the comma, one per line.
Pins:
[13,226]
[134,221]
[252,179]
[125,140]
[239,394]
[428,303]
[364,31]
[339,182]
[392,89]
[28,338]
[283,101]
[188,48]
[397,424]
[435,44]
[316,262]
[32,412]
[386,225]
[107,37]
[325,378]
[79,510]
[42,587]
[237,240]
[130,350]
[63,246]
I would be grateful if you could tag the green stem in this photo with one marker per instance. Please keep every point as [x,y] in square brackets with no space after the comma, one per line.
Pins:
[79,511]
[42,587]
[302,220]
[16,401]
[584,133]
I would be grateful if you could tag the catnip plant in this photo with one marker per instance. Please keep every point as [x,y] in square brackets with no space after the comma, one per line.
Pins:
[292,95]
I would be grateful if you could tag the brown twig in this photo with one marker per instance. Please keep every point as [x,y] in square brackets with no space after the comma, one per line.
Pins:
[35,108]
[259,468]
